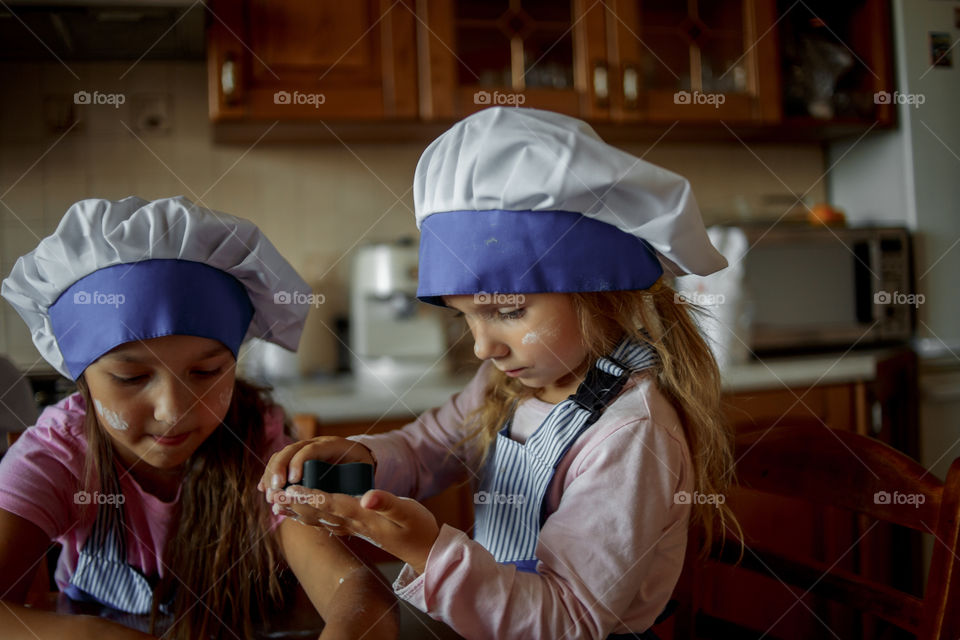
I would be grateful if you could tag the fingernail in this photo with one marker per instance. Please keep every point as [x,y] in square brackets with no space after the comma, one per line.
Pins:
[276,509]
[292,475]
[276,481]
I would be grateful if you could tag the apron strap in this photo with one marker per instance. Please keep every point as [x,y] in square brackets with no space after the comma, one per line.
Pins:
[102,573]
[599,388]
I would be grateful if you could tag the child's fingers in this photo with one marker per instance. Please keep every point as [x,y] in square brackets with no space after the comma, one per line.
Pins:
[287,464]
[275,474]
[312,506]
[400,511]
[377,500]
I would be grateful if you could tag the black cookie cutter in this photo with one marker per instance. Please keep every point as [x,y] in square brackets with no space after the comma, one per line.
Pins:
[352,478]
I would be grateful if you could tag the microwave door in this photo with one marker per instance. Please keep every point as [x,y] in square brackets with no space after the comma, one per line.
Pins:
[808,294]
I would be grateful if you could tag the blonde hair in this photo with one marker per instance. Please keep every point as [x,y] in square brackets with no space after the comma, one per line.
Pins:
[687,374]
[219,546]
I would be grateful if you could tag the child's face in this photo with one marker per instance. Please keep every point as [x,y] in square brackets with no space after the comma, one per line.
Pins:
[159,399]
[532,337]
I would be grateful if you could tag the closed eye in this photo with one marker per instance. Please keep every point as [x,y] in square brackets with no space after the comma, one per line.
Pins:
[207,372]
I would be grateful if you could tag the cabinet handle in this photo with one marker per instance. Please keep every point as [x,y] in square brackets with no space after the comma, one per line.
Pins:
[228,80]
[601,86]
[876,417]
[631,87]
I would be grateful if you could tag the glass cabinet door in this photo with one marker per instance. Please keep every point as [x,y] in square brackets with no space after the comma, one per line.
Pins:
[694,60]
[530,53]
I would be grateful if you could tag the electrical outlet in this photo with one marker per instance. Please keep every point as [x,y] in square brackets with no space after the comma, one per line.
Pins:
[152,113]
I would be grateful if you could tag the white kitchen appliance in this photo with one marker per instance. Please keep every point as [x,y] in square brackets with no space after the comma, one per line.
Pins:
[395,340]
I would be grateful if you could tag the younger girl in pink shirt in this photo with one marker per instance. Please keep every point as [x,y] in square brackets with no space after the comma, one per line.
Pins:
[146,476]
[592,431]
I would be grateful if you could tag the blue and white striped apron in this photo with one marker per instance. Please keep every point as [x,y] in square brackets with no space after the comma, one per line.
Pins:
[102,572]
[510,507]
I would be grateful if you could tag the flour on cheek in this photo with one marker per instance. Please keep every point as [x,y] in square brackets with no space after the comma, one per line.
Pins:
[113,419]
[224,398]
[546,330]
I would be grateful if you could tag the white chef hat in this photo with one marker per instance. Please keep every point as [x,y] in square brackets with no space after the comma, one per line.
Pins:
[114,272]
[524,201]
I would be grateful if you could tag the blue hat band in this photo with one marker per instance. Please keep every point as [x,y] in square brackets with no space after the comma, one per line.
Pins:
[496,251]
[141,300]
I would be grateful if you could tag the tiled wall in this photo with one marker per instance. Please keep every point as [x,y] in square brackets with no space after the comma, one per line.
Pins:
[315,202]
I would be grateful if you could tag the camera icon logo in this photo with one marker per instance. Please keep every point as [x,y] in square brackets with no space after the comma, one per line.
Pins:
[482,97]
[81,297]
[681,497]
[882,297]
[681,97]
[281,97]
[282,297]
[81,497]
[481,497]
[881,497]
[882,97]
[81,97]
[482,297]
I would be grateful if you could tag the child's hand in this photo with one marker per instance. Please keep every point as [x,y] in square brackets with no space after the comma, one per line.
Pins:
[286,465]
[400,526]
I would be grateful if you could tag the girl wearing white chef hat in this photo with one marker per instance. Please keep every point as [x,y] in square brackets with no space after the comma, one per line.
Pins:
[147,475]
[596,414]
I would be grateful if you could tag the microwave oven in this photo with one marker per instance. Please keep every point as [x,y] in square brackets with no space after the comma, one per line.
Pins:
[808,288]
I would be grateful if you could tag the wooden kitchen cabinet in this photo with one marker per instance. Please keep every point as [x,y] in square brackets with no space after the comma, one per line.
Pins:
[311,60]
[618,60]
[836,63]
[386,71]
[700,60]
[532,53]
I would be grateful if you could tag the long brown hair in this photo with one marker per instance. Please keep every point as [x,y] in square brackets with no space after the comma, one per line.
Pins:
[221,563]
[687,374]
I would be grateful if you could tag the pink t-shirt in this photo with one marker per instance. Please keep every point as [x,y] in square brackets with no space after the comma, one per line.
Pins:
[41,473]
[610,551]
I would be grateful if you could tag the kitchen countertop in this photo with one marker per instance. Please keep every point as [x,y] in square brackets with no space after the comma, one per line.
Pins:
[342,400]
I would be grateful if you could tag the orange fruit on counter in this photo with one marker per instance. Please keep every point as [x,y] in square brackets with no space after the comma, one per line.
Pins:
[823,213]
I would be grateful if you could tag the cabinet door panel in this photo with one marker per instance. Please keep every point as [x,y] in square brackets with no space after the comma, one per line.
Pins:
[300,59]
[531,53]
[702,60]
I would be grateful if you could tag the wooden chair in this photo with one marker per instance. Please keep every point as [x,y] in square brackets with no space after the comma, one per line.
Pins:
[845,473]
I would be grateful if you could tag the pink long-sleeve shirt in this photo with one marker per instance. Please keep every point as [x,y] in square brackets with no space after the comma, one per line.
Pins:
[41,474]
[611,549]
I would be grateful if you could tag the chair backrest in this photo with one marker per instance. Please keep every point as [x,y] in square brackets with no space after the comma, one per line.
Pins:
[858,475]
